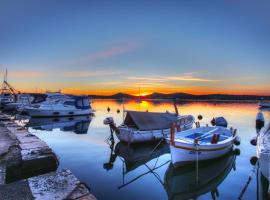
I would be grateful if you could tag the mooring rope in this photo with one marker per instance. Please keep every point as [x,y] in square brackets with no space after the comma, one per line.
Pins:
[253,171]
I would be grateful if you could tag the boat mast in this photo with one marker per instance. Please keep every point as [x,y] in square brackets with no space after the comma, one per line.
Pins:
[4,85]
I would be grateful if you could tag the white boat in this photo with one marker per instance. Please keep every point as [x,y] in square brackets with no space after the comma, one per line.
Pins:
[202,143]
[263,153]
[22,100]
[264,104]
[6,98]
[63,106]
[141,127]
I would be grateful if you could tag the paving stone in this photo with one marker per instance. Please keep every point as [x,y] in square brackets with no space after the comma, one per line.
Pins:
[15,191]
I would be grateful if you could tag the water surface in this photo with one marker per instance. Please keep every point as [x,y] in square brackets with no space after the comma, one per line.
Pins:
[119,172]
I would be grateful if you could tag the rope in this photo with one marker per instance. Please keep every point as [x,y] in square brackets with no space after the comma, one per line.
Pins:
[150,171]
[253,171]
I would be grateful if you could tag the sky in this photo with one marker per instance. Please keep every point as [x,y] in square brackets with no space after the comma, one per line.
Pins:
[105,47]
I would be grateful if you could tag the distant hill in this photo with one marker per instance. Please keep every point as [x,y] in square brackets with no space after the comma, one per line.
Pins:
[183,96]
[115,96]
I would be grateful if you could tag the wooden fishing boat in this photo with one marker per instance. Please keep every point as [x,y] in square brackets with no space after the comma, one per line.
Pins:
[141,127]
[202,143]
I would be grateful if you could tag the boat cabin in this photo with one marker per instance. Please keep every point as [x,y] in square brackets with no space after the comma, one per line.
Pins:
[145,121]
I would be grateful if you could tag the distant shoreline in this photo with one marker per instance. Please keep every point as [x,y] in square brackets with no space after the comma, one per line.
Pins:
[185,100]
[179,97]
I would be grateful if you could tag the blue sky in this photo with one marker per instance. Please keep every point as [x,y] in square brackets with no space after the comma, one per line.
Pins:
[89,46]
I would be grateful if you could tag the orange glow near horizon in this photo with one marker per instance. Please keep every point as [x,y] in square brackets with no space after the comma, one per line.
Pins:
[194,91]
[142,94]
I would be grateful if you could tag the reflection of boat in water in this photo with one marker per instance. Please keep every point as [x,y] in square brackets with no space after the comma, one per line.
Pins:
[191,181]
[263,151]
[78,124]
[136,155]
[264,109]
[264,104]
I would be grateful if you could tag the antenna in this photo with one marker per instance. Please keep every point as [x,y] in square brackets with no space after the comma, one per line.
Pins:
[176,109]
[123,103]
[6,75]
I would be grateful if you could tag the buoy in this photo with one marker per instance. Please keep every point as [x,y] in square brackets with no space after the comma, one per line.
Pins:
[108,109]
[259,121]
[219,121]
[237,152]
[200,117]
[118,110]
[213,122]
[253,141]
[237,140]
[253,160]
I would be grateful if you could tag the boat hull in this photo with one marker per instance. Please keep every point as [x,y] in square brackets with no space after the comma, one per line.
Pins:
[131,136]
[189,153]
[263,153]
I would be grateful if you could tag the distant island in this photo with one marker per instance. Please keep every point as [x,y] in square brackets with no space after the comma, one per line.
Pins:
[184,96]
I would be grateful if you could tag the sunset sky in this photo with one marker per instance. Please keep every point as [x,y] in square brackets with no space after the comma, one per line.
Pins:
[104,47]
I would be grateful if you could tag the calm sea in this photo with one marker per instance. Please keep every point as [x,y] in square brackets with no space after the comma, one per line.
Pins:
[116,171]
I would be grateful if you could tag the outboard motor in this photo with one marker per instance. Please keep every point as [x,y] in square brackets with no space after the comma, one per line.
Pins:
[219,121]
[259,121]
[108,121]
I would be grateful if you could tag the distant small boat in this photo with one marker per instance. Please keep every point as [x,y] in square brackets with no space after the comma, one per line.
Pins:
[141,127]
[64,106]
[264,104]
[202,143]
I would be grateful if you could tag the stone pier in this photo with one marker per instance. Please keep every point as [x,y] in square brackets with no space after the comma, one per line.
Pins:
[28,168]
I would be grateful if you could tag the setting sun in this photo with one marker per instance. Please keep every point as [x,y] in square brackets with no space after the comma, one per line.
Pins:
[142,94]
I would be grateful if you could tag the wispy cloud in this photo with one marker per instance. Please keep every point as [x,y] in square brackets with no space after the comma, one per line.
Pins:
[104,54]
[184,77]
[190,78]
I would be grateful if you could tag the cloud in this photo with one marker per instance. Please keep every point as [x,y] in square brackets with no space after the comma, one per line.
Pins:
[184,77]
[105,54]
[90,73]
[190,78]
